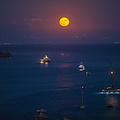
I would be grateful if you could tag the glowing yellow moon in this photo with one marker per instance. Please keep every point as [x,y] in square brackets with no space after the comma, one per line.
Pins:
[64,21]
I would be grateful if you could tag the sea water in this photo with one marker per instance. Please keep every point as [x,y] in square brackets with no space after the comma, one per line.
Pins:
[26,85]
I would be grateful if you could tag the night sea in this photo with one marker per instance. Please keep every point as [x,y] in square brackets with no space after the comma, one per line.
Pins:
[26,85]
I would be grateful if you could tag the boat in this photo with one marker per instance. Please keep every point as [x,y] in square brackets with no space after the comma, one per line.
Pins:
[41,61]
[88,73]
[110,88]
[82,106]
[5,54]
[41,111]
[66,118]
[45,59]
[43,116]
[109,105]
[81,67]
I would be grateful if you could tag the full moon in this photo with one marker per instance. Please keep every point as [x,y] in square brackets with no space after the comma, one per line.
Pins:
[64,21]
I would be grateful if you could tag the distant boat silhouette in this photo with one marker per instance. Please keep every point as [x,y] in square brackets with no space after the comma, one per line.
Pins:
[82,106]
[66,118]
[109,105]
[88,73]
[6,54]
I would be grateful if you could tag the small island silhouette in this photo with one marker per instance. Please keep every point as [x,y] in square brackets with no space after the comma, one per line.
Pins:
[5,54]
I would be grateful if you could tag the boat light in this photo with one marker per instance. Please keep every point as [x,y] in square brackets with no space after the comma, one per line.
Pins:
[111,72]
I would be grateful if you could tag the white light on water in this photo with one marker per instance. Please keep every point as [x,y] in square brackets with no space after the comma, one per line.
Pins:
[107,93]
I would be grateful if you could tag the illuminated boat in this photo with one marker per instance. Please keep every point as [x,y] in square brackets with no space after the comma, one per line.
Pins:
[45,59]
[81,67]
[110,88]
[41,111]
[41,61]
[66,118]
[88,73]
[43,116]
